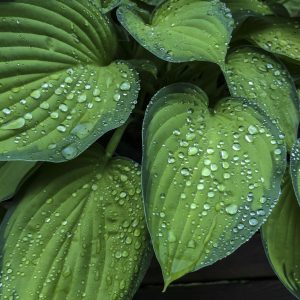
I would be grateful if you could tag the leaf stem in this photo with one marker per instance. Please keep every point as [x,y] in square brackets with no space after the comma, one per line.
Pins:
[115,139]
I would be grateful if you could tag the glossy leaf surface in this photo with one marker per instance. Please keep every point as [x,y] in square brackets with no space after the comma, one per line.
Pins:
[12,174]
[257,76]
[277,35]
[60,88]
[281,237]
[183,30]
[78,232]
[210,177]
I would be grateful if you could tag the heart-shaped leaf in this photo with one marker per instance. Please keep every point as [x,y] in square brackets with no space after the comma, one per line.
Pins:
[60,89]
[241,9]
[77,233]
[274,34]
[183,30]
[210,178]
[295,168]
[255,75]
[281,237]
[12,175]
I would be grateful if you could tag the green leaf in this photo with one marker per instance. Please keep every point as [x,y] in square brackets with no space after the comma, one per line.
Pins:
[60,87]
[241,9]
[77,233]
[281,237]
[273,34]
[292,6]
[183,30]
[254,74]
[210,177]
[295,168]
[108,5]
[12,175]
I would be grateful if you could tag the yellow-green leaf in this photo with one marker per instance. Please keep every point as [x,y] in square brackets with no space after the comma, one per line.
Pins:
[78,232]
[210,176]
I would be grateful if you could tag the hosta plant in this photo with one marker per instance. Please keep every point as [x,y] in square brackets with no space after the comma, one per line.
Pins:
[133,127]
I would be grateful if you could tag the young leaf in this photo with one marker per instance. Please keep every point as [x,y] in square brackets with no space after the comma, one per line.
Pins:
[255,75]
[277,35]
[210,178]
[183,30]
[77,233]
[241,9]
[295,168]
[60,89]
[12,174]
[281,237]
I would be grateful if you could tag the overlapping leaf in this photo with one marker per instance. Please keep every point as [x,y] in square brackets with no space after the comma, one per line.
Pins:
[210,178]
[277,35]
[242,9]
[183,30]
[108,5]
[12,174]
[295,168]
[254,74]
[59,87]
[77,233]
[292,6]
[281,236]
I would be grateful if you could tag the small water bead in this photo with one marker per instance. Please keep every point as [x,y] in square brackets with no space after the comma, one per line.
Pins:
[192,151]
[206,172]
[54,115]
[249,138]
[200,186]
[58,91]
[207,162]
[61,128]
[36,94]
[81,98]
[63,107]
[6,111]
[28,116]
[171,160]
[213,167]
[190,136]
[253,222]
[185,172]
[236,147]
[96,92]
[231,209]
[206,206]
[210,194]
[117,97]
[224,154]
[44,105]
[69,152]
[125,86]
[14,124]
[68,79]
[193,206]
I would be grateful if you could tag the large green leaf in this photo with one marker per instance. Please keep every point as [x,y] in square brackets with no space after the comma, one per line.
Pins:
[295,168]
[59,87]
[274,34]
[183,30]
[281,237]
[77,233]
[241,9]
[12,175]
[210,177]
[254,74]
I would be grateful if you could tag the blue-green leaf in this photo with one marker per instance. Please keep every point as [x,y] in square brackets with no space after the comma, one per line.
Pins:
[183,30]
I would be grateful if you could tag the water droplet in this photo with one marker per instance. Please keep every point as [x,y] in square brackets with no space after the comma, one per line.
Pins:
[69,152]
[253,222]
[231,209]
[14,124]
[185,172]
[205,172]
[125,86]
[82,130]
[36,94]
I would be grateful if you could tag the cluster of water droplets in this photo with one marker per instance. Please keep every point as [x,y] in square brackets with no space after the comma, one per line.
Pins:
[100,224]
[213,185]
[68,107]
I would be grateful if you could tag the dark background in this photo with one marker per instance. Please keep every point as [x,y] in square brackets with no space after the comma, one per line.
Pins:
[244,275]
